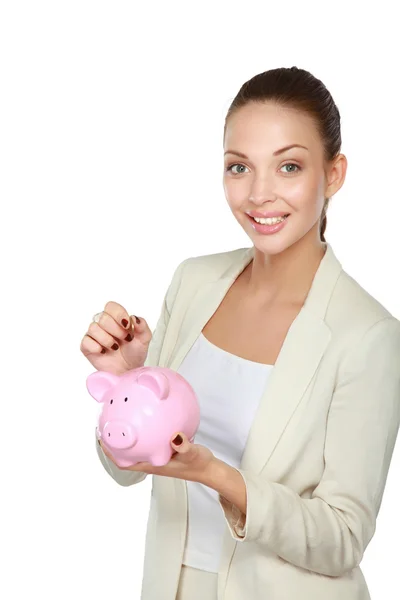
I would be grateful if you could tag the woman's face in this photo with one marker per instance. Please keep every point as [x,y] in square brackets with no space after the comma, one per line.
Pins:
[267,180]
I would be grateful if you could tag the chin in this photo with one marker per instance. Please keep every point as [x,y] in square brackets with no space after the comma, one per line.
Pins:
[271,248]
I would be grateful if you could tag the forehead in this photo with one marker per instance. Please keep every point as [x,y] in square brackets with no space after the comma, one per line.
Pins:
[271,126]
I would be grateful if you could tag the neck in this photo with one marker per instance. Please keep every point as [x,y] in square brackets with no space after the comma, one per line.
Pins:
[285,277]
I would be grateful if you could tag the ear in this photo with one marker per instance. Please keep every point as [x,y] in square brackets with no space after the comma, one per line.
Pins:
[155,381]
[99,383]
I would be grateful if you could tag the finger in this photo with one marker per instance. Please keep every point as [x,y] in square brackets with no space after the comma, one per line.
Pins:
[107,453]
[142,329]
[180,443]
[110,326]
[104,450]
[119,314]
[102,337]
[90,346]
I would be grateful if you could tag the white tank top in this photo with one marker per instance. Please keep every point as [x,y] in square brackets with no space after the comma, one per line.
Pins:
[229,389]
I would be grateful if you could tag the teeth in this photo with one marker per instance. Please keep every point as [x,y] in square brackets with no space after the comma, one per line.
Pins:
[270,220]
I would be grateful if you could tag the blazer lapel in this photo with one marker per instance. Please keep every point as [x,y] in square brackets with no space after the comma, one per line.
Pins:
[204,304]
[295,366]
[297,362]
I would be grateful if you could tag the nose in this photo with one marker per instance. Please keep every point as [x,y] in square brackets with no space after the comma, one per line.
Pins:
[262,191]
[119,435]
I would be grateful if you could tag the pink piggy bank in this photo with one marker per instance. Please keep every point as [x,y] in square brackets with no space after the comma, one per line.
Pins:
[142,410]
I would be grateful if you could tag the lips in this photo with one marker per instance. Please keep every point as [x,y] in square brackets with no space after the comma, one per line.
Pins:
[267,229]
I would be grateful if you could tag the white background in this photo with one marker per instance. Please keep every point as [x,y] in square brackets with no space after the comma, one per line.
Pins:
[111,174]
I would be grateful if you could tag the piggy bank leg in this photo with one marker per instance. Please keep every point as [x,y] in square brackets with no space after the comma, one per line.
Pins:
[123,463]
[161,459]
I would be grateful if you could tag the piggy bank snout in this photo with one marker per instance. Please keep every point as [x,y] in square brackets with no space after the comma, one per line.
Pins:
[119,434]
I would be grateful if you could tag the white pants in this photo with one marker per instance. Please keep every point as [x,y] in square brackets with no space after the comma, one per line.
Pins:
[195,584]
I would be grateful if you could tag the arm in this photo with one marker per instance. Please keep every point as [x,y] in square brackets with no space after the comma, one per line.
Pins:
[122,476]
[329,532]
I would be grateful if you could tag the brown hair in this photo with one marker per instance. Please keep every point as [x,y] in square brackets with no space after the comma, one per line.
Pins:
[298,89]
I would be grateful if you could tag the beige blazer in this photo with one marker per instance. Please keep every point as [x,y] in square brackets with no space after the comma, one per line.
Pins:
[318,453]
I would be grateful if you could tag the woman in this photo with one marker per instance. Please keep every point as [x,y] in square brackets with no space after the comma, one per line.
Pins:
[296,368]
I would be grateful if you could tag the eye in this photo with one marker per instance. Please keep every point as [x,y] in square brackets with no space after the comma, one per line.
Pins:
[230,167]
[291,165]
[111,401]
[126,400]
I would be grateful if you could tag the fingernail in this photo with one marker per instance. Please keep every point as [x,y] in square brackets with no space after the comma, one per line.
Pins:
[103,351]
[128,338]
[137,319]
[125,323]
[178,440]
[114,346]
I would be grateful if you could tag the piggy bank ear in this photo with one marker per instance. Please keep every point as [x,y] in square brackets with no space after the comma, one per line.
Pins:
[156,382]
[99,383]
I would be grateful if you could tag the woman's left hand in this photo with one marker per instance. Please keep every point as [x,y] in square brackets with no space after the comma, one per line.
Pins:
[190,461]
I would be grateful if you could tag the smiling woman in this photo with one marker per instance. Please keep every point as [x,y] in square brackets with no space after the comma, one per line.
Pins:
[290,148]
[296,369]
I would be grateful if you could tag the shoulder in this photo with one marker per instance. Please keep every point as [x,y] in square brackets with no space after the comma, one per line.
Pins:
[357,300]
[355,315]
[209,267]
[195,271]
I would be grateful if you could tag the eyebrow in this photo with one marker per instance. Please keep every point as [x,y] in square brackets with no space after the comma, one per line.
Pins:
[280,151]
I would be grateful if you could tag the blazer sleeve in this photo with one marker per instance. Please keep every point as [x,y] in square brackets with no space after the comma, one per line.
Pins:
[329,532]
[125,477]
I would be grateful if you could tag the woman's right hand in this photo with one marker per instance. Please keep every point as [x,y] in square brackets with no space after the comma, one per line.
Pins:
[118,342]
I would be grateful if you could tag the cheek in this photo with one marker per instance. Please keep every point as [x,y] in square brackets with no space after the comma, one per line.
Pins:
[305,193]
[236,192]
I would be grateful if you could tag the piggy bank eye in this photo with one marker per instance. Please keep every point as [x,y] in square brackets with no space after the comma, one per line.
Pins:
[111,401]
[126,399]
